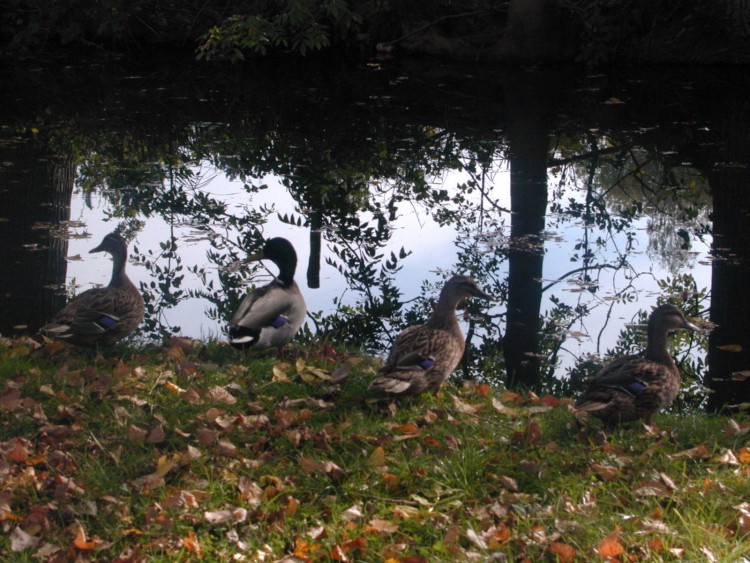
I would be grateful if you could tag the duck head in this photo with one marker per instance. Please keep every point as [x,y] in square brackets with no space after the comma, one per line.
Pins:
[668,318]
[112,243]
[460,287]
[281,252]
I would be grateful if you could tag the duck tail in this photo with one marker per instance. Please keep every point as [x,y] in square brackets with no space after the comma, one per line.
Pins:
[395,384]
[242,337]
[590,406]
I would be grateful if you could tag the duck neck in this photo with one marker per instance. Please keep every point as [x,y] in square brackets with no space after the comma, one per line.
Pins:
[286,272]
[657,346]
[444,315]
[118,270]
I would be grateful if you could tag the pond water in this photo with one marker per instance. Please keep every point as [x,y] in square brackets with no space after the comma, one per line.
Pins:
[579,200]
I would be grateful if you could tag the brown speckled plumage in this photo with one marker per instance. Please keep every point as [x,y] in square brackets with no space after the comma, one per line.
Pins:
[103,315]
[422,357]
[637,386]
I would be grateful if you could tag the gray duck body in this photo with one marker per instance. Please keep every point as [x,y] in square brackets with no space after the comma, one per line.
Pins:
[423,357]
[270,316]
[103,315]
[636,386]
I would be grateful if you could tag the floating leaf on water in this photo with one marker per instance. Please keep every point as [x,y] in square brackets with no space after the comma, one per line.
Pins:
[730,348]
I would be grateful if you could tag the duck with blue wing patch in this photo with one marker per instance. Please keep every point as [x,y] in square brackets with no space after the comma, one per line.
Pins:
[103,315]
[270,316]
[423,357]
[637,386]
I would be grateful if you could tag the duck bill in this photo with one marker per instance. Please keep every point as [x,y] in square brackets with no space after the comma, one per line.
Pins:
[99,248]
[255,257]
[482,295]
[691,326]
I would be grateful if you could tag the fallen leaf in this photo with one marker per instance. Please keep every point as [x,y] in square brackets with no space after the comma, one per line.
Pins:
[377,457]
[610,546]
[408,428]
[21,541]
[652,488]
[18,453]
[698,452]
[156,434]
[353,513]
[80,539]
[221,395]
[604,472]
[507,411]
[465,408]
[565,553]
[279,376]
[234,515]
[191,544]
[380,526]
[474,538]
[726,458]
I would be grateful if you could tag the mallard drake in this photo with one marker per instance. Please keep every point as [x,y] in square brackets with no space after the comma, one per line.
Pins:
[102,315]
[270,315]
[637,386]
[422,357]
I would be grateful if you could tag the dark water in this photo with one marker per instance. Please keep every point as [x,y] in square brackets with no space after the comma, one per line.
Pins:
[580,200]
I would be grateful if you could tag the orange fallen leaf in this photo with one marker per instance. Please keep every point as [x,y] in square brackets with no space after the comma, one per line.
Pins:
[80,540]
[565,553]
[610,546]
[655,545]
[743,455]
[337,554]
[191,544]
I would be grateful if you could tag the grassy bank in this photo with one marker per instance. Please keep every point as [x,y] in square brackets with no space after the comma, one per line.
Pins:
[193,451]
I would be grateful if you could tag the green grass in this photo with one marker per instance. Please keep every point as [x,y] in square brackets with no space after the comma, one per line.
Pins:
[179,453]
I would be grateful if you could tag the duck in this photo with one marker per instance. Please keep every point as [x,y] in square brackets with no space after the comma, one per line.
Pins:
[636,386]
[423,356]
[270,316]
[102,315]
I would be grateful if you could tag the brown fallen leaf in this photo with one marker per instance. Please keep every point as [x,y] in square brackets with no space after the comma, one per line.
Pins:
[700,451]
[380,526]
[377,457]
[604,472]
[221,395]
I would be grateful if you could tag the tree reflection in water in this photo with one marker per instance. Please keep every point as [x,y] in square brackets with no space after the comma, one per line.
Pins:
[599,198]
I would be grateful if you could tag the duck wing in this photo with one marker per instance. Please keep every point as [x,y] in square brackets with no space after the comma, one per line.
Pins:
[262,307]
[94,312]
[631,373]
[420,359]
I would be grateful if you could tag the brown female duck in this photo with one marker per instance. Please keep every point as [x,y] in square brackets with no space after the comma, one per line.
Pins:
[272,314]
[423,356]
[102,315]
[637,386]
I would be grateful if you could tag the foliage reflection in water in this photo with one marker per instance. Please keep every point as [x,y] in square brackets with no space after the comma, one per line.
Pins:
[578,227]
